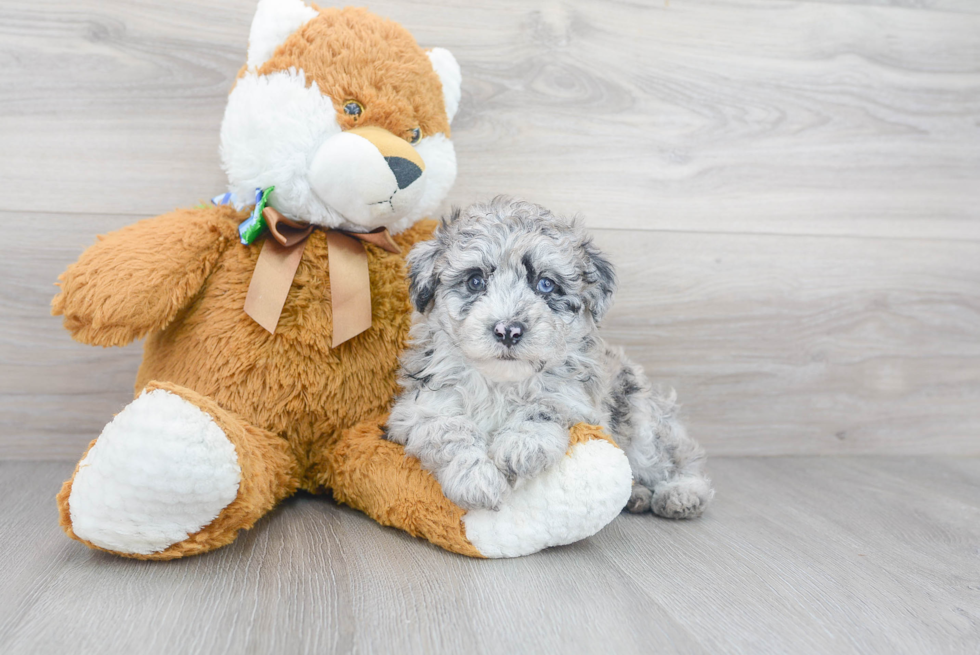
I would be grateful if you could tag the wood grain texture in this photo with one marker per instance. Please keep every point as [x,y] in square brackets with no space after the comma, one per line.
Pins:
[797,555]
[806,345]
[775,344]
[762,116]
[788,188]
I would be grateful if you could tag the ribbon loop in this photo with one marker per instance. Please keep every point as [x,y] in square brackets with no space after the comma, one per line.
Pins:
[379,237]
[285,230]
[350,280]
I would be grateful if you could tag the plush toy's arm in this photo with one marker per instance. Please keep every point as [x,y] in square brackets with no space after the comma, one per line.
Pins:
[137,279]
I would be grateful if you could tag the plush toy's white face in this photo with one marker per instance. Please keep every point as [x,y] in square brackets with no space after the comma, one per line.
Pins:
[343,168]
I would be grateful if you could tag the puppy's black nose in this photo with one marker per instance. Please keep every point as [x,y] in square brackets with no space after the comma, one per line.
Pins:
[509,333]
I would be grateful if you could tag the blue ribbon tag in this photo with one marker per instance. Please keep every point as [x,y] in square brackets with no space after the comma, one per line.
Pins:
[227,199]
[252,227]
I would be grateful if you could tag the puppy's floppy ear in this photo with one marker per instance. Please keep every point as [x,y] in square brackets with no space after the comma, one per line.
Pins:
[422,272]
[600,279]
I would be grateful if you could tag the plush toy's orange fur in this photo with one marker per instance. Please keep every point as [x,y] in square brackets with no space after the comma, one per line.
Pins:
[399,90]
[284,400]
[301,415]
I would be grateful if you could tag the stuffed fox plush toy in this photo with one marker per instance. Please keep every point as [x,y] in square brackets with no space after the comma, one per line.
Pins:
[338,126]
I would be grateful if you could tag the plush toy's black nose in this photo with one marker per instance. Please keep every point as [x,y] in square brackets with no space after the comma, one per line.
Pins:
[405,171]
[509,333]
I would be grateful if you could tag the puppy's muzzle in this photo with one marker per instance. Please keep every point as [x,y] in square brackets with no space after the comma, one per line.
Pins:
[509,334]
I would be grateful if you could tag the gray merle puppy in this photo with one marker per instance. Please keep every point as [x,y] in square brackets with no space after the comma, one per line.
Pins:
[506,356]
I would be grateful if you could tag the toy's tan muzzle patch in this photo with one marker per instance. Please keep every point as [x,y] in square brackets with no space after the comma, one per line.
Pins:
[403,160]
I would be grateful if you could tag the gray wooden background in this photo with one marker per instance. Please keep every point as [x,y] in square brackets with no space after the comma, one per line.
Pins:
[791,191]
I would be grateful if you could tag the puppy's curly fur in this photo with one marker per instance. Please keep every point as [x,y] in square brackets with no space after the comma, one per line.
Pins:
[506,356]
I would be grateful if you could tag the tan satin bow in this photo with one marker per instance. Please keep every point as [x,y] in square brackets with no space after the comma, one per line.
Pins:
[350,282]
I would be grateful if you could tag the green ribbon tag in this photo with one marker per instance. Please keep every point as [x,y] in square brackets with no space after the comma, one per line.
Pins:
[252,227]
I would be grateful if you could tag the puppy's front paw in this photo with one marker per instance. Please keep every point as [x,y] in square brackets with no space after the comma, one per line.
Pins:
[472,481]
[525,452]
[640,498]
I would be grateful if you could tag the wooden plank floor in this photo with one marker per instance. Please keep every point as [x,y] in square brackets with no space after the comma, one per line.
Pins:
[798,555]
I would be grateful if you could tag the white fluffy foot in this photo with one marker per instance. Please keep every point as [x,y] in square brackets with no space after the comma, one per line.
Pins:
[160,471]
[566,503]
[682,498]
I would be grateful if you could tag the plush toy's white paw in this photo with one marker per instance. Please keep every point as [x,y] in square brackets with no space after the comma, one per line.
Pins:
[569,502]
[160,471]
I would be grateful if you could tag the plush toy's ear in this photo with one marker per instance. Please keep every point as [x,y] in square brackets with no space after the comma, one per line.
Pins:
[449,74]
[274,21]
[423,277]
[600,280]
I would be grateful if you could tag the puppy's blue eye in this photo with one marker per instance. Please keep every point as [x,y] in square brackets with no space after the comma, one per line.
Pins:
[546,285]
[476,282]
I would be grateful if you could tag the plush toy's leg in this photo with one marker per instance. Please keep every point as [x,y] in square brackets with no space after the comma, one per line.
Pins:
[373,475]
[174,474]
[569,502]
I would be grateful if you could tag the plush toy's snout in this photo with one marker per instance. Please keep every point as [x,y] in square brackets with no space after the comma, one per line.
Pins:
[369,175]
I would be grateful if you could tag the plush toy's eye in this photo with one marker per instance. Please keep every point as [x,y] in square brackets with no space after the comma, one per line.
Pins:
[416,135]
[476,282]
[546,285]
[353,108]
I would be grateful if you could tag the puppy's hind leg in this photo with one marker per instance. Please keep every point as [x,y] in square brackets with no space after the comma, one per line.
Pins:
[668,465]
[685,490]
